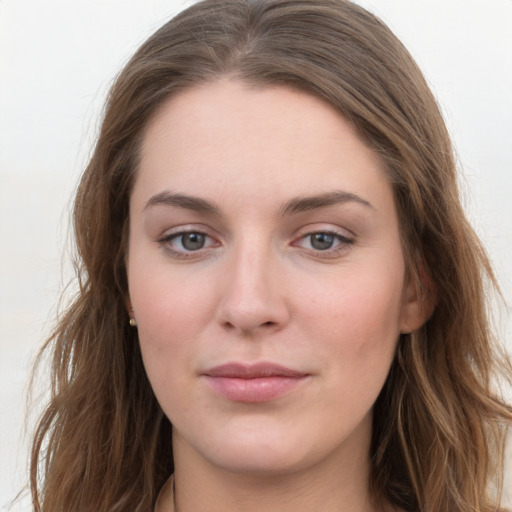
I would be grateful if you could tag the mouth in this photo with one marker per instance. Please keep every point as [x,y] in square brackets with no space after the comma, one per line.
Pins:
[262,382]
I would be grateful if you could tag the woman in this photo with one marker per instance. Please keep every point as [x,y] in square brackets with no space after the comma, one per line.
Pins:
[281,302]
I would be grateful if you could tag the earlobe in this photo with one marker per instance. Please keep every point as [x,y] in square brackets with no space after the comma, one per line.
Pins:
[131,314]
[128,304]
[419,301]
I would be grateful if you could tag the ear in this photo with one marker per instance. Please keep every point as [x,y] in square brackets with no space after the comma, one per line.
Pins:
[419,301]
[128,304]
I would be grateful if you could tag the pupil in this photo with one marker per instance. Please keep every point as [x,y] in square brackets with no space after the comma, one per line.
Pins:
[322,241]
[193,241]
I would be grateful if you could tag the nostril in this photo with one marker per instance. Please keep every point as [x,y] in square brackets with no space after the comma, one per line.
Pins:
[231,326]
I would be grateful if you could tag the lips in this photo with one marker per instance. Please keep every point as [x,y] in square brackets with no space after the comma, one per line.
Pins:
[262,382]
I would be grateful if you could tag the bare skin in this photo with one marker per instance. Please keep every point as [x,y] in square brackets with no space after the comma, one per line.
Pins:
[263,235]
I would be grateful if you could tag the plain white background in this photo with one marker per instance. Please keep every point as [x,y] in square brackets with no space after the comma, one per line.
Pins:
[57,59]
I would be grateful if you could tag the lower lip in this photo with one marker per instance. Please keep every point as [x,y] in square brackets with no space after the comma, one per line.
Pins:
[263,389]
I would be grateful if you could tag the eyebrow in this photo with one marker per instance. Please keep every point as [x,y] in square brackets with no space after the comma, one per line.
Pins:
[295,205]
[184,201]
[306,203]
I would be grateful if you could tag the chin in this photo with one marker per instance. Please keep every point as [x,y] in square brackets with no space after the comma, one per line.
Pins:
[263,452]
[260,460]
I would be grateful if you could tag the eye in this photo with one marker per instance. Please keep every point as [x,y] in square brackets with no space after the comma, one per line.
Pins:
[191,241]
[187,241]
[323,242]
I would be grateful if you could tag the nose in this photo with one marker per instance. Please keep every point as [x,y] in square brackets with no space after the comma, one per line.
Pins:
[253,298]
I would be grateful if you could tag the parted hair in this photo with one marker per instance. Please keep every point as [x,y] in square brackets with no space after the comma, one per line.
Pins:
[103,443]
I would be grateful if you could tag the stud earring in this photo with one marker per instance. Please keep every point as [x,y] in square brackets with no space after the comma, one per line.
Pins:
[133,322]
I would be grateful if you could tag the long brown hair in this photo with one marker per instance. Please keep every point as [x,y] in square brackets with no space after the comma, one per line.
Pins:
[103,443]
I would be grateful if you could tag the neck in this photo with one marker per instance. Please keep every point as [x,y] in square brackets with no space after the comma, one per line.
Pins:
[280,494]
[328,486]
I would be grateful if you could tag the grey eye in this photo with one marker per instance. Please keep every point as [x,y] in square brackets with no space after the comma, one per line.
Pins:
[321,241]
[192,241]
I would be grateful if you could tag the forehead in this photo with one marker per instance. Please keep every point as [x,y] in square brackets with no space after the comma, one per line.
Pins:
[230,138]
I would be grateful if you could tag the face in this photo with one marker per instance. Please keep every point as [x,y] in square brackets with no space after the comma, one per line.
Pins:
[266,276]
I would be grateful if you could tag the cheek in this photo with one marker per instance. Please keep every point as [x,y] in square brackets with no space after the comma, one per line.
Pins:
[170,319]
[165,301]
[358,319]
[171,314]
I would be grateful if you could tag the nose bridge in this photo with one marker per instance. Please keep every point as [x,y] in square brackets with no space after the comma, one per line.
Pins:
[252,296]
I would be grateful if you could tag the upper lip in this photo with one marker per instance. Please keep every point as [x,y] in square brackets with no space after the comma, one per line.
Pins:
[252,371]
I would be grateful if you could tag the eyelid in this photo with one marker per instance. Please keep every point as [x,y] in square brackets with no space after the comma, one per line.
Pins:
[321,227]
[345,240]
[344,237]
[336,234]
[165,240]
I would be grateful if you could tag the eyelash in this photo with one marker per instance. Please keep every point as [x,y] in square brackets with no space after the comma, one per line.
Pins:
[167,240]
[330,252]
